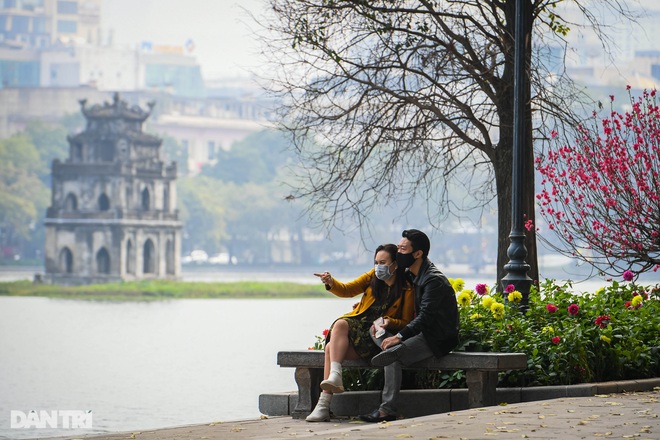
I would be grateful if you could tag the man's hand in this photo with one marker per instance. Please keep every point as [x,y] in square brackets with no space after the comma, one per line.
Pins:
[390,342]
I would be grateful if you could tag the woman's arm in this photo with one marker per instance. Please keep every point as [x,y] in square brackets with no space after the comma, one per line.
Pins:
[352,288]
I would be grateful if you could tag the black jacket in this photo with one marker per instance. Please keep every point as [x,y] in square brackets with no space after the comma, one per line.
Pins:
[436,310]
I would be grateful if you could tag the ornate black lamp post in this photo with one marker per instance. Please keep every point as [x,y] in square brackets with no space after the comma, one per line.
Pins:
[517,267]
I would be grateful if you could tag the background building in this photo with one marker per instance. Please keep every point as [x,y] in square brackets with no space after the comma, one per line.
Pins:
[113,212]
[57,43]
[55,52]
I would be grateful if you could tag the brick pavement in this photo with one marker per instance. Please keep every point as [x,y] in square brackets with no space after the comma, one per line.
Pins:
[609,416]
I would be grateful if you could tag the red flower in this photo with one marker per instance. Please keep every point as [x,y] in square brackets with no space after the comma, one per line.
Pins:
[602,321]
[628,305]
[628,275]
[573,309]
[510,288]
[556,340]
[325,333]
[551,308]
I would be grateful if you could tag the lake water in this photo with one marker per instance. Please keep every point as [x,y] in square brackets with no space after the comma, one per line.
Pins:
[146,365]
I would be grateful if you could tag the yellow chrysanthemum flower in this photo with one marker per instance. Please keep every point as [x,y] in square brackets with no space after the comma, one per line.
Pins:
[515,296]
[487,301]
[599,291]
[458,284]
[464,299]
[549,330]
[637,300]
[497,309]
[475,316]
[605,339]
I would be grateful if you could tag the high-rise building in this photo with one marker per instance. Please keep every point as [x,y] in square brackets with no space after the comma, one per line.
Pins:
[34,24]
[60,43]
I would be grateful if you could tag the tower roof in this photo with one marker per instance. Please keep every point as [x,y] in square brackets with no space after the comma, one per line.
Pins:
[118,109]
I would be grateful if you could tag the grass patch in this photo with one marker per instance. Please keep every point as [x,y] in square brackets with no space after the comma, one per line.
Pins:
[162,289]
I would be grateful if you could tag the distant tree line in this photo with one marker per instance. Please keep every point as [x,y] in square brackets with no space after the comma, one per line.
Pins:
[25,187]
[238,206]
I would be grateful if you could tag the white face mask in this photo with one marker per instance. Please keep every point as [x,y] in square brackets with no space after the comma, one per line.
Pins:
[383,271]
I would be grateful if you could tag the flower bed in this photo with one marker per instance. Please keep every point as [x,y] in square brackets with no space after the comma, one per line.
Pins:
[569,337]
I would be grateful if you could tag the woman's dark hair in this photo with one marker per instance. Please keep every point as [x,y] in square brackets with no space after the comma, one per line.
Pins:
[378,287]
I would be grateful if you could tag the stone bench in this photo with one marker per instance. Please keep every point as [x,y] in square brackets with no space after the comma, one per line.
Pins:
[481,373]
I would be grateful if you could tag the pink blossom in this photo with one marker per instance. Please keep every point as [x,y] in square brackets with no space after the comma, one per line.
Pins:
[628,275]
[573,309]
[510,288]
[551,308]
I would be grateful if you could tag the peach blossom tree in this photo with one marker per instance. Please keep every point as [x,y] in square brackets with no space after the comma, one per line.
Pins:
[601,195]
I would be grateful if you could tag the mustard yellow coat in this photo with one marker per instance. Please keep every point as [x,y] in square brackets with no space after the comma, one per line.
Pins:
[400,313]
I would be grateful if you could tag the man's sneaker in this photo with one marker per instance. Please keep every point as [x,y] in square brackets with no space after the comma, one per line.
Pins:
[388,356]
[377,416]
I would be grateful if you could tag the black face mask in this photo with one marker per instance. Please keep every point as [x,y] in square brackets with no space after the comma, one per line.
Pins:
[404,260]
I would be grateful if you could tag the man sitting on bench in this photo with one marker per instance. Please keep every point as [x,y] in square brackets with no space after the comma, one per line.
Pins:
[433,331]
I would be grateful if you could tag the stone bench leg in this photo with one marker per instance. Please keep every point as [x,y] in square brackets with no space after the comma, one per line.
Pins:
[309,389]
[482,388]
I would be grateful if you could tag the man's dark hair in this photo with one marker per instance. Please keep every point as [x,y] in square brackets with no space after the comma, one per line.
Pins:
[419,241]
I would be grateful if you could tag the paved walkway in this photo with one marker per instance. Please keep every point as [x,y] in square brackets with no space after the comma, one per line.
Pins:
[609,416]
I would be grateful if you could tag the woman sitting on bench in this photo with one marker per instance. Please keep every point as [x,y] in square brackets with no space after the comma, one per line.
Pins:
[387,302]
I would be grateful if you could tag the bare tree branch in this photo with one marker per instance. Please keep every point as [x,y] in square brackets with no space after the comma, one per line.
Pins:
[389,99]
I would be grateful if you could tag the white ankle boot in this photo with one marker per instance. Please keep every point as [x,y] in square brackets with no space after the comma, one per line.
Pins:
[321,412]
[334,383]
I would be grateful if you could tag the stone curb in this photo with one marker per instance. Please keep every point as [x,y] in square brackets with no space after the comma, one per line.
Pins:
[419,403]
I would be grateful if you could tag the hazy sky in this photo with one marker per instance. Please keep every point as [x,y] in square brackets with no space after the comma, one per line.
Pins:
[220,29]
